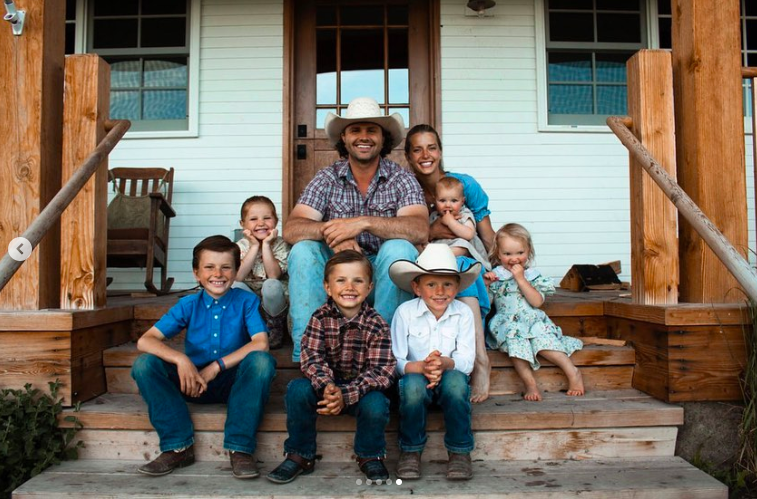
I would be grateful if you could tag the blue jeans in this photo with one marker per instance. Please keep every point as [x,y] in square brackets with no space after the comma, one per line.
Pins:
[477,289]
[452,394]
[307,260]
[372,413]
[245,387]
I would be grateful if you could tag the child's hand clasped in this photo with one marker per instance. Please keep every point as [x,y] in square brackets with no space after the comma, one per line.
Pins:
[432,368]
[332,402]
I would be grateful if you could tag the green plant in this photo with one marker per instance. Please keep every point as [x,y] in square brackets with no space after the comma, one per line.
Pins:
[30,438]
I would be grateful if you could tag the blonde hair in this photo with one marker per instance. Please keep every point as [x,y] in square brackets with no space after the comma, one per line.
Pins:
[516,231]
[450,183]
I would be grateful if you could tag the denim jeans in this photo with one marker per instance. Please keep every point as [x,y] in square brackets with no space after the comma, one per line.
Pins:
[372,413]
[307,260]
[244,387]
[452,394]
[477,290]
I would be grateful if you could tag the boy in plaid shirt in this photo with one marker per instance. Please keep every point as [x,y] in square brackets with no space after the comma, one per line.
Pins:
[348,363]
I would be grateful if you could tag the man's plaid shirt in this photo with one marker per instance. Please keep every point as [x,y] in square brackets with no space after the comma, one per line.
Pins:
[354,354]
[334,193]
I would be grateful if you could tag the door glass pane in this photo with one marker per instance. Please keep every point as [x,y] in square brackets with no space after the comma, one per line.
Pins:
[363,16]
[405,113]
[325,15]
[571,27]
[167,72]
[570,99]
[362,64]
[618,28]
[396,15]
[398,66]
[569,67]
[124,105]
[320,116]
[325,66]
[164,32]
[165,105]
[115,33]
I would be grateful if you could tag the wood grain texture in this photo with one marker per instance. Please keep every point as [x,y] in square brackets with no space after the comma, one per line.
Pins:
[84,223]
[654,227]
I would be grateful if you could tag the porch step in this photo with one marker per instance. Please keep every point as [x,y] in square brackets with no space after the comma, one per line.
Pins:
[616,423]
[604,367]
[641,478]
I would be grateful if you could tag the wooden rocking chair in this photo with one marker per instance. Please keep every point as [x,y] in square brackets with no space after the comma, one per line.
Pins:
[138,219]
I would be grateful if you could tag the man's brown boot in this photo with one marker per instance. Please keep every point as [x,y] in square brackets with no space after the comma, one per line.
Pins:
[168,461]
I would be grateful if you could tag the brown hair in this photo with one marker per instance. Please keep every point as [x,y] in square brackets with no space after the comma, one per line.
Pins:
[218,244]
[257,200]
[347,256]
[516,231]
[423,128]
[385,150]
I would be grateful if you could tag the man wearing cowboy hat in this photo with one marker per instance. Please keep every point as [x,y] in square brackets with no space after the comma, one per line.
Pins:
[363,202]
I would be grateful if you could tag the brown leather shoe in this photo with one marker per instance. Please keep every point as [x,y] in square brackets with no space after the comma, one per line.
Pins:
[168,461]
[244,465]
[459,467]
[409,466]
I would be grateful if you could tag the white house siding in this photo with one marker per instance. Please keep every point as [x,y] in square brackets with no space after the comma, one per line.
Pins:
[570,189]
[238,151]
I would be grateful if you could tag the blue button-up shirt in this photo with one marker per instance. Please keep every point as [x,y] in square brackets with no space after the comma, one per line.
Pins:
[215,328]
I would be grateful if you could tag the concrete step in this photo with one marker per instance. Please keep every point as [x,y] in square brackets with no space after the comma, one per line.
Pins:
[645,478]
[601,424]
[603,366]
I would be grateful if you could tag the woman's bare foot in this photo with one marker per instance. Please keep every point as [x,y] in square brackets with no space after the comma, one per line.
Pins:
[533,394]
[575,383]
[479,381]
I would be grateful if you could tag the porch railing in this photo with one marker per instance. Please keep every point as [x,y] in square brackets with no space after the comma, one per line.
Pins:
[53,211]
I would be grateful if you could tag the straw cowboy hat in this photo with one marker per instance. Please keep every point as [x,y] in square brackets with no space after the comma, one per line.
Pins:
[361,110]
[436,259]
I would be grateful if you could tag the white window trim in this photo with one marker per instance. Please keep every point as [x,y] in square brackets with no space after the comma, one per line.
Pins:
[193,105]
[541,71]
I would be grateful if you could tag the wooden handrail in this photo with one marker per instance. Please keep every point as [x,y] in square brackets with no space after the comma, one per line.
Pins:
[54,209]
[734,262]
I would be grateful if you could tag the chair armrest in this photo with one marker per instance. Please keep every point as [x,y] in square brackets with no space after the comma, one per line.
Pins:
[162,204]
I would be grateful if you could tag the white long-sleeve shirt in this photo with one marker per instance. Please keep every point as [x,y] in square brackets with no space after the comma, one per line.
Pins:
[416,333]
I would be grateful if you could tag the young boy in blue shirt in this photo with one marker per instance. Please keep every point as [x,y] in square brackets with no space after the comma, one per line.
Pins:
[434,341]
[225,360]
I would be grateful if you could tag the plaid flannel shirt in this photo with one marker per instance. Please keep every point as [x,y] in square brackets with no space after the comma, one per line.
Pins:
[334,193]
[356,354]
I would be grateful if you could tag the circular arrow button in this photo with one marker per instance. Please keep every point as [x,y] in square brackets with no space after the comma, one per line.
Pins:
[20,249]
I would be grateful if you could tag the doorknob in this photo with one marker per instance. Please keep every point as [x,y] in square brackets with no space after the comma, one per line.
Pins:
[302,151]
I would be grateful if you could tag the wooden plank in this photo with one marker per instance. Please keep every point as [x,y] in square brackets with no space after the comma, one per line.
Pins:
[654,228]
[610,408]
[62,320]
[581,326]
[590,355]
[84,223]
[552,379]
[682,314]
[337,446]
[706,41]
[36,358]
[31,116]
[640,478]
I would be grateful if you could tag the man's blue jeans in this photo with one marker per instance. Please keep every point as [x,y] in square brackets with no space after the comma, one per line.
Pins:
[244,387]
[372,413]
[452,394]
[307,260]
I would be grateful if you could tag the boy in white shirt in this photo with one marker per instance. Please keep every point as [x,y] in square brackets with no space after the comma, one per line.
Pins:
[434,341]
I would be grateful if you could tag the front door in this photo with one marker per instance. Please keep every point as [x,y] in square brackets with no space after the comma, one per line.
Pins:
[342,49]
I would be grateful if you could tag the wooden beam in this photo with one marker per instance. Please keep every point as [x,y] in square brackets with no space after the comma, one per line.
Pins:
[709,139]
[654,227]
[31,115]
[84,223]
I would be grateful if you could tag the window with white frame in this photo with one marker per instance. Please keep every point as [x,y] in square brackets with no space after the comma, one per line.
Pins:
[587,45]
[147,44]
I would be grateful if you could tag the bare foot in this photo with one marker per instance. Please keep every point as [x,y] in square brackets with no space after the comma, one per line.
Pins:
[480,381]
[575,383]
[533,394]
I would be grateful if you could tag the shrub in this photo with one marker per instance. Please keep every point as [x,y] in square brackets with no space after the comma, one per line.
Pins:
[30,438]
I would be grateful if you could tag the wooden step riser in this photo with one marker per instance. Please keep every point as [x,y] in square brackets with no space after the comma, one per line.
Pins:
[338,446]
[504,381]
[660,478]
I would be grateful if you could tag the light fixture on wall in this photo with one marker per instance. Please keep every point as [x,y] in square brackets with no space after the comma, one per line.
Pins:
[480,6]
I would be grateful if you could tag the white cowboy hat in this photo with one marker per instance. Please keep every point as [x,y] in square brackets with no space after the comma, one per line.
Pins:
[364,109]
[436,259]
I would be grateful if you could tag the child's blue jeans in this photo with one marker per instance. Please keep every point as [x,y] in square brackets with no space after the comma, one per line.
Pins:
[452,394]
[244,387]
[372,413]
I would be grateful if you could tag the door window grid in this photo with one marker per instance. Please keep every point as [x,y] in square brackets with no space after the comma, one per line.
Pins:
[338,29]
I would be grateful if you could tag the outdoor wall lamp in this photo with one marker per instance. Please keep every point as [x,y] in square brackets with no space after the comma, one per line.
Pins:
[480,6]
[15,17]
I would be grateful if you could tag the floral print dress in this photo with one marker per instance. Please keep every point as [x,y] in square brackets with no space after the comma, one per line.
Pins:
[519,329]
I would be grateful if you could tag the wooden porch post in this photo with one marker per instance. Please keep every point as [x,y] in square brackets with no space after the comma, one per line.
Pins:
[654,238]
[709,139]
[84,223]
[31,110]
